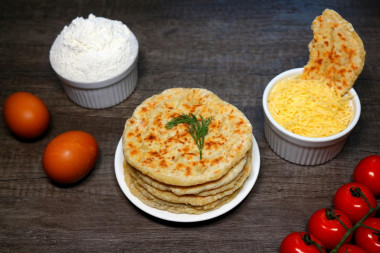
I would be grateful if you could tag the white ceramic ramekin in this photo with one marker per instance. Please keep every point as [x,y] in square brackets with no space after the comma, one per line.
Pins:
[103,94]
[299,149]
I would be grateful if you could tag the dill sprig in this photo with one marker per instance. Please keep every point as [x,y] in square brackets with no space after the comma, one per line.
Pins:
[197,129]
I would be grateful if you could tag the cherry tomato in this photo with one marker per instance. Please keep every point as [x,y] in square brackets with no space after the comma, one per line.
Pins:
[70,156]
[324,226]
[349,248]
[299,242]
[367,172]
[348,201]
[26,115]
[369,239]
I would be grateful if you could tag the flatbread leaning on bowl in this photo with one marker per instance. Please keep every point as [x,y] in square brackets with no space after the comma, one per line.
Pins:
[337,52]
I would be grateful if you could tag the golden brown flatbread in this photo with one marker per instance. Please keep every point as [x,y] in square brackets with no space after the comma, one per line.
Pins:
[336,52]
[171,156]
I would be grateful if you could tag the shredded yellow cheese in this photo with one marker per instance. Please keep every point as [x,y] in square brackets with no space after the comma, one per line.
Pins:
[309,107]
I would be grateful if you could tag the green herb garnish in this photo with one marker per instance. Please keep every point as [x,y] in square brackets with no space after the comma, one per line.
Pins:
[197,129]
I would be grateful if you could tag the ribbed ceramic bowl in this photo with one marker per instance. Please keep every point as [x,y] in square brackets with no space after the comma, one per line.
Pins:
[299,149]
[103,94]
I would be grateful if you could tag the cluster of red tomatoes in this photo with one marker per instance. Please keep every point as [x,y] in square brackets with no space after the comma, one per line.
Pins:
[351,219]
[69,157]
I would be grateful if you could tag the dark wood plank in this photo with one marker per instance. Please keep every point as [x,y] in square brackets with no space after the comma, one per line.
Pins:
[232,48]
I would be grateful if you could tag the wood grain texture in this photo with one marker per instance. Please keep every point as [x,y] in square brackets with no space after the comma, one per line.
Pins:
[232,48]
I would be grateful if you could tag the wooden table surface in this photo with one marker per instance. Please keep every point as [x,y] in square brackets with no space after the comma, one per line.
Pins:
[233,48]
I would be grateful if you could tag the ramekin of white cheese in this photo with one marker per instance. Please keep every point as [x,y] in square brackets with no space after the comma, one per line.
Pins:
[306,122]
[96,61]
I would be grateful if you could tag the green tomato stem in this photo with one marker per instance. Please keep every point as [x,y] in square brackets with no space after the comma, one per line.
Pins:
[354,227]
[364,197]
[331,213]
[365,226]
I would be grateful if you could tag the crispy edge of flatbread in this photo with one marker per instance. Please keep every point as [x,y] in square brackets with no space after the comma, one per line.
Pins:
[193,199]
[150,200]
[157,203]
[205,189]
[210,192]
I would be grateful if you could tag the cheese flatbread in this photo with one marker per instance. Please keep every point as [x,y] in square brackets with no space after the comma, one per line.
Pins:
[171,156]
[337,53]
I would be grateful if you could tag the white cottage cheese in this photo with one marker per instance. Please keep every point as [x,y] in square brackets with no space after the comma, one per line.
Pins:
[93,49]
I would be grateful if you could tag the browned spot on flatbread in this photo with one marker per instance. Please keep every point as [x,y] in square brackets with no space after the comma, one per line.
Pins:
[163,163]
[188,171]
[216,160]
[150,137]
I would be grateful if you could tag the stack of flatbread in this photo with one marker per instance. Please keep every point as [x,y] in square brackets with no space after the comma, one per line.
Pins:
[163,167]
[337,53]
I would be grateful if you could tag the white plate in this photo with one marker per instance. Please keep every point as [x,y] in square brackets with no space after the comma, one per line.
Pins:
[165,215]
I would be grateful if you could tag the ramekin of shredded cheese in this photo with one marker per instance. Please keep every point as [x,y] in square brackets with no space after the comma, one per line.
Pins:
[306,121]
[309,107]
